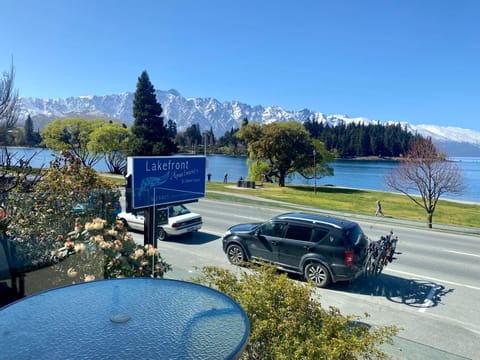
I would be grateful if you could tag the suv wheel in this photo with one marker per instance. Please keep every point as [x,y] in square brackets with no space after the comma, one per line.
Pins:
[317,273]
[235,254]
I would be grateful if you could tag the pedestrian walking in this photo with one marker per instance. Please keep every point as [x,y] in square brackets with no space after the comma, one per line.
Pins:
[225,177]
[209,177]
[379,209]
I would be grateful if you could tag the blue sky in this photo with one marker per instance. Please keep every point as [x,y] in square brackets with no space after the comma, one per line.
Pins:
[402,60]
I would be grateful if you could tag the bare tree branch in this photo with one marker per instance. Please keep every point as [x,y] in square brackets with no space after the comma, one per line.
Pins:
[424,175]
[15,171]
[9,109]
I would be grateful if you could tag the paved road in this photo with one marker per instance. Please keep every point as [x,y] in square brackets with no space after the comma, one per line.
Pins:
[431,290]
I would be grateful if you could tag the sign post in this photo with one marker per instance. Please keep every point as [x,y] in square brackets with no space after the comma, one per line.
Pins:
[159,181]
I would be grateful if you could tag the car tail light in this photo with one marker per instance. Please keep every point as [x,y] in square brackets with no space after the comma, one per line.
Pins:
[348,256]
[174,225]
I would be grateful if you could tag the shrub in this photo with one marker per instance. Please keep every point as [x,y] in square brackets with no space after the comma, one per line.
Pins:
[288,322]
[113,248]
[67,191]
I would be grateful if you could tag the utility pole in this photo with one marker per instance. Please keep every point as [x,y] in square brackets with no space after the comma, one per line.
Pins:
[314,172]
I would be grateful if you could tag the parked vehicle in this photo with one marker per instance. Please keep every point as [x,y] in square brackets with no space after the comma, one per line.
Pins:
[323,249]
[84,207]
[180,221]
[98,203]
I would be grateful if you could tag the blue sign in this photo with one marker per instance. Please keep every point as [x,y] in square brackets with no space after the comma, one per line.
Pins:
[163,180]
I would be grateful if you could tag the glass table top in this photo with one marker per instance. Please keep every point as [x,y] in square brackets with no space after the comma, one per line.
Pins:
[124,319]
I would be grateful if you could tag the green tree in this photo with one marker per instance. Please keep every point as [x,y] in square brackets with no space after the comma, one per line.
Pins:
[193,140]
[362,140]
[257,170]
[172,129]
[208,139]
[288,322]
[193,136]
[73,135]
[111,140]
[286,148]
[30,138]
[244,122]
[150,135]
[231,144]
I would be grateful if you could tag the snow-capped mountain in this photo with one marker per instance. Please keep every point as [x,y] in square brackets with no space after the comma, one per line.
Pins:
[222,116]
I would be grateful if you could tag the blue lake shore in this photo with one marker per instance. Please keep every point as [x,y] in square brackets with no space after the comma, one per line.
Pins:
[359,174]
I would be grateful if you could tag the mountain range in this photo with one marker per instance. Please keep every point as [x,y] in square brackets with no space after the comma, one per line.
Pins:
[210,113]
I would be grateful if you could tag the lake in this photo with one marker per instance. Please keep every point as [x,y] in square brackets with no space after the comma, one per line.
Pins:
[360,174]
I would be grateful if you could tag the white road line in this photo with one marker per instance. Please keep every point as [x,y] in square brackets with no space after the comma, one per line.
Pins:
[462,253]
[433,279]
[428,300]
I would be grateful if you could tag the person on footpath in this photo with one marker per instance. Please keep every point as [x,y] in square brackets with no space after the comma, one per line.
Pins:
[225,177]
[379,209]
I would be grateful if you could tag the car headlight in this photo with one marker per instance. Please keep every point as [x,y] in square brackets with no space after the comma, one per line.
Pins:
[228,232]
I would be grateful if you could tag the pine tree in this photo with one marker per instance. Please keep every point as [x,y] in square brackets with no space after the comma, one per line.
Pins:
[30,137]
[150,136]
[172,129]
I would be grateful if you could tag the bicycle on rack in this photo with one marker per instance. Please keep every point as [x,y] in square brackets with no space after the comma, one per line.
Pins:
[380,253]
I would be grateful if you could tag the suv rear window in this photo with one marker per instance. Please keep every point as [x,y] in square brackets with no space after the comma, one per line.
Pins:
[354,235]
[319,235]
[298,232]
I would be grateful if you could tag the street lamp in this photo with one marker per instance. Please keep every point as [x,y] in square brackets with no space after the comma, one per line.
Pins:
[205,143]
[314,173]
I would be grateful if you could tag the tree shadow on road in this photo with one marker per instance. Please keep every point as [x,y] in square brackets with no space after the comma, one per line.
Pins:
[416,293]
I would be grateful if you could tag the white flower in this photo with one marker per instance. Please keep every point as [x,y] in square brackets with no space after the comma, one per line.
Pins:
[89,278]
[71,272]
[105,245]
[139,253]
[151,251]
[89,226]
[79,247]
[112,232]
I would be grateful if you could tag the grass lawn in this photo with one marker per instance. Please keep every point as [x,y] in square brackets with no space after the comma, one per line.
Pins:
[351,200]
[358,201]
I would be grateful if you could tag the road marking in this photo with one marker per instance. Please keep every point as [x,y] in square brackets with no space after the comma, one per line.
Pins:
[462,253]
[428,300]
[433,279]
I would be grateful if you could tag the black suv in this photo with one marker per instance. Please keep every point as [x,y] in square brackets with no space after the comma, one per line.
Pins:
[323,248]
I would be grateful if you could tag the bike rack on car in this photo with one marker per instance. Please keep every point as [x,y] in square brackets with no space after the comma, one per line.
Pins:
[380,253]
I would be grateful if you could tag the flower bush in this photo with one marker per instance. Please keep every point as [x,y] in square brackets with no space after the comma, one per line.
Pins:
[37,226]
[37,223]
[67,190]
[112,249]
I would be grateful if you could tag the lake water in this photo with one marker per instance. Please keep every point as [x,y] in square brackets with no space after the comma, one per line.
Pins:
[364,174]
[359,174]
